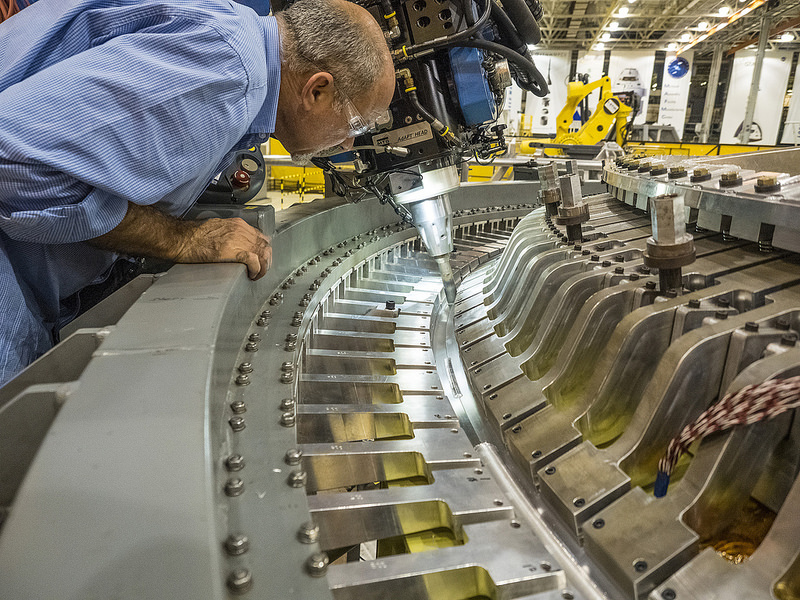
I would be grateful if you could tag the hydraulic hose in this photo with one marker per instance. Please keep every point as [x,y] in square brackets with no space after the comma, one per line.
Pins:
[507,29]
[523,18]
[538,85]
[450,40]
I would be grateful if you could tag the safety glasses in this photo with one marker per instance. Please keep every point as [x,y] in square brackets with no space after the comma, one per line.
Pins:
[358,124]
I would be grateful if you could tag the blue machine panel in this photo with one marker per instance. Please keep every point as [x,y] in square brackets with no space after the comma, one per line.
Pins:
[474,95]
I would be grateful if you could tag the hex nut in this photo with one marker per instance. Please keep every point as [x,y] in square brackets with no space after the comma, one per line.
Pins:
[240,581]
[237,544]
[234,487]
[293,456]
[297,479]
[308,532]
[234,462]
[317,564]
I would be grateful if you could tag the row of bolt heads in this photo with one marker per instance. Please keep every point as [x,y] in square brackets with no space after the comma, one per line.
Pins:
[730,178]
[240,580]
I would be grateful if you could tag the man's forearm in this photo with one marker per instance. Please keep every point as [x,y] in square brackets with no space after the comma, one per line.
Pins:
[146,231]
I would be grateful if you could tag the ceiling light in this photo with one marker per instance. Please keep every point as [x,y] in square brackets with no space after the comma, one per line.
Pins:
[672,46]
[606,37]
[614,25]
[685,37]
[703,26]
[599,46]
[724,11]
[787,37]
[623,11]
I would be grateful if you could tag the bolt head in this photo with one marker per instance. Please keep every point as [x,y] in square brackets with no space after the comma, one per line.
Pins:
[287,377]
[293,456]
[245,367]
[287,367]
[237,544]
[234,462]
[317,564]
[254,337]
[251,347]
[238,407]
[236,423]
[240,581]
[234,487]
[297,479]
[288,419]
[266,314]
[287,404]
[308,532]
[767,181]
[242,380]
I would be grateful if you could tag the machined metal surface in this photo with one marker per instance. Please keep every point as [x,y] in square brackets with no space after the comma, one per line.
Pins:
[337,430]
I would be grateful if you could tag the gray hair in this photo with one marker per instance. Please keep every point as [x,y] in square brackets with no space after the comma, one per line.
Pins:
[322,35]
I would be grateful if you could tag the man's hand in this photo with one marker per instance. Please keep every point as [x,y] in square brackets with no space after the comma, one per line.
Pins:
[146,231]
[228,240]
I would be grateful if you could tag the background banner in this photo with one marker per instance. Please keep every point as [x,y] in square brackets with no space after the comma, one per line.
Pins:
[554,66]
[769,101]
[791,132]
[675,90]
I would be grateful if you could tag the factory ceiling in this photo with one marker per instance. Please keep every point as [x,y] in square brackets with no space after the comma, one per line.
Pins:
[671,25]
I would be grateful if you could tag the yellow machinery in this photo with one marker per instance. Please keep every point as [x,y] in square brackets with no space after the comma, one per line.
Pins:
[610,109]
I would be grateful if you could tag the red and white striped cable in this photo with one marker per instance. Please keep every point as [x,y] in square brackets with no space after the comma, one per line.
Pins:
[753,403]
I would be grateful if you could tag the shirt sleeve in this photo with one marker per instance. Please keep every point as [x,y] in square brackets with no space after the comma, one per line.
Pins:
[127,120]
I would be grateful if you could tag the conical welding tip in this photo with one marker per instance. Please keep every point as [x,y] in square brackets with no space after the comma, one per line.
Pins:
[447,278]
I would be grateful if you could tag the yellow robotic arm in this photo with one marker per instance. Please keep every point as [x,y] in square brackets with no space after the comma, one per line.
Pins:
[609,109]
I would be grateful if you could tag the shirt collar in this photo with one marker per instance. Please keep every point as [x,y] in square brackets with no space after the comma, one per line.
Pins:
[264,123]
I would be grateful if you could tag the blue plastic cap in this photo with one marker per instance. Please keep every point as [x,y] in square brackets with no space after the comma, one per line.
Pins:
[662,483]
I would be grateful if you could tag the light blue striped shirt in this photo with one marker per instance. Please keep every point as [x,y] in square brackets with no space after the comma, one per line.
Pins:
[103,102]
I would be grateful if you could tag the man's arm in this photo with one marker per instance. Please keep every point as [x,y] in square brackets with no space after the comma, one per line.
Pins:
[146,231]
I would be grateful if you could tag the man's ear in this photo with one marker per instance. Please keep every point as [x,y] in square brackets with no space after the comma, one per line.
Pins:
[318,91]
